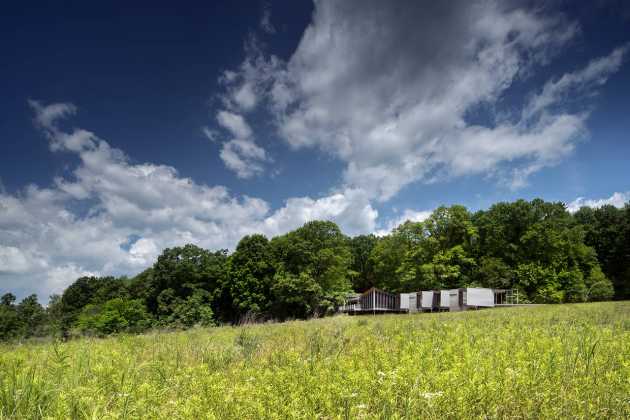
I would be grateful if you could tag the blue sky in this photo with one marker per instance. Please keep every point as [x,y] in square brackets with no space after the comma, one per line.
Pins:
[128,129]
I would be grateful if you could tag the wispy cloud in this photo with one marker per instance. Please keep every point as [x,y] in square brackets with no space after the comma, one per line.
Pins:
[265,20]
[595,74]
[241,154]
[387,90]
[242,92]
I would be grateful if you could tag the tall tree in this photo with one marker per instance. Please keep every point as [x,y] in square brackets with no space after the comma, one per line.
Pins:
[397,258]
[251,276]
[85,291]
[362,266]
[319,251]
[608,232]
[180,272]
[9,320]
[32,316]
[439,250]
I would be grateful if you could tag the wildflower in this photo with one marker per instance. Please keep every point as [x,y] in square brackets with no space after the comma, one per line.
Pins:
[431,395]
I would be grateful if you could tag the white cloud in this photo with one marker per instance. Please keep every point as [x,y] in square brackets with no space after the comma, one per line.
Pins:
[58,277]
[246,87]
[235,124]
[595,74]
[144,251]
[46,118]
[618,199]
[134,211]
[46,115]
[13,260]
[351,209]
[241,154]
[389,89]
[245,97]
[407,215]
[243,157]
[243,91]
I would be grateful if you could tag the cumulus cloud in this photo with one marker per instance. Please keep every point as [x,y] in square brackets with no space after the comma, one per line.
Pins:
[351,209]
[134,211]
[144,251]
[389,89]
[618,199]
[57,278]
[14,260]
[407,215]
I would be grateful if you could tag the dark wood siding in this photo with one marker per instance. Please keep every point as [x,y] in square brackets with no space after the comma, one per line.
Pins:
[436,299]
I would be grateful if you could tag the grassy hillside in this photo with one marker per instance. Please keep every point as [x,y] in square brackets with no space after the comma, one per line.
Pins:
[555,361]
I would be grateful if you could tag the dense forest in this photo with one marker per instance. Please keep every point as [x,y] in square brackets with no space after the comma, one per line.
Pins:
[537,247]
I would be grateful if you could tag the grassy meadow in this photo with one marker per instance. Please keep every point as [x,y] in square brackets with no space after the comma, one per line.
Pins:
[563,361]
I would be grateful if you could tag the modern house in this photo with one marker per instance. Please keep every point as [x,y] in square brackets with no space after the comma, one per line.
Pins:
[375,300]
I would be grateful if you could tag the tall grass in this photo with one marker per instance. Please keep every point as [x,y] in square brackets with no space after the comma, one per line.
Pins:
[569,361]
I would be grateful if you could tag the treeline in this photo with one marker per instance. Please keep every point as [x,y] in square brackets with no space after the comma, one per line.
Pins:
[537,247]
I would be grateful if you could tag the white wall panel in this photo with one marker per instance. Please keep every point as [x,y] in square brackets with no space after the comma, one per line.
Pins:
[445,298]
[413,302]
[404,300]
[477,296]
[427,300]
[453,302]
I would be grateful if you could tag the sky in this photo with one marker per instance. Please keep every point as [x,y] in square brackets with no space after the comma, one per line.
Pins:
[130,127]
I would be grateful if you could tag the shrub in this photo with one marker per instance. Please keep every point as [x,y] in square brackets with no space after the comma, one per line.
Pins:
[114,316]
[599,286]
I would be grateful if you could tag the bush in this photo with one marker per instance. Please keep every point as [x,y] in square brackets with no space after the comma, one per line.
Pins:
[195,310]
[599,286]
[9,322]
[114,316]
[572,282]
[295,296]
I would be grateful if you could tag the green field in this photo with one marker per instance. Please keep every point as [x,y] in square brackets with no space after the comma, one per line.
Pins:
[567,361]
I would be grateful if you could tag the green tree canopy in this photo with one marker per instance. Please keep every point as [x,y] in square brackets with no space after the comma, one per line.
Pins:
[251,276]
[114,316]
[180,272]
[317,251]
[362,266]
